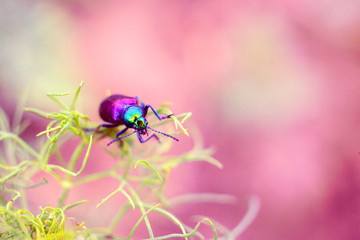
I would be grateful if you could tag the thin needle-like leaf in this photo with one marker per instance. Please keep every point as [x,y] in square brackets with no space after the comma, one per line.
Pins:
[54,97]
[74,204]
[49,130]
[176,235]
[140,203]
[111,194]
[22,143]
[50,166]
[72,106]
[151,167]
[37,111]
[139,221]
[253,209]
[170,216]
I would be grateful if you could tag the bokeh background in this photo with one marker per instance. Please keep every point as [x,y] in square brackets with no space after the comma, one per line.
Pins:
[274,87]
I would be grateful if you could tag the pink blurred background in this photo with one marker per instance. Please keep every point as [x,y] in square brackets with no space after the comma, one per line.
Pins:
[273,86]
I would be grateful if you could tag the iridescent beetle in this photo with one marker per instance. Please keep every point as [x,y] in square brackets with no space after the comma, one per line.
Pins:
[119,109]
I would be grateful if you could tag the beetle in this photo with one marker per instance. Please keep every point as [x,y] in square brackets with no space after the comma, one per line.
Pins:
[123,110]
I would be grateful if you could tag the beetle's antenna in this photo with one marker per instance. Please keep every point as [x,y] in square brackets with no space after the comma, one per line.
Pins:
[117,139]
[164,134]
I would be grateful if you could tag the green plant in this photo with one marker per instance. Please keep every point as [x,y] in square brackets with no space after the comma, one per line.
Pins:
[19,162]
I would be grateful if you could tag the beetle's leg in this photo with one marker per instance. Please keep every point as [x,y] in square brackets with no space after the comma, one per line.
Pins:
[90,129]
[117,139]
[121,132]
[108,125]
[143,141]
[157,115]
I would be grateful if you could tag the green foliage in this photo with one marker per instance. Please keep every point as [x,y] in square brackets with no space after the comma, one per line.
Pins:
[143,188]
[49,224]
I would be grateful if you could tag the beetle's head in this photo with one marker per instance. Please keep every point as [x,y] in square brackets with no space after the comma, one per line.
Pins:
[140,125]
